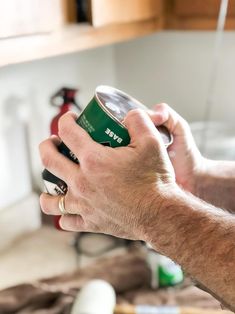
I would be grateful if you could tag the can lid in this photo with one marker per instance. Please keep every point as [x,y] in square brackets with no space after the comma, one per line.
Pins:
[118,104]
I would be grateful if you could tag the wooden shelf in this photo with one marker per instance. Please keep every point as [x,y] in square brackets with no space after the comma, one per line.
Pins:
[197,24]
[71,38]
[197,15]
[78,37]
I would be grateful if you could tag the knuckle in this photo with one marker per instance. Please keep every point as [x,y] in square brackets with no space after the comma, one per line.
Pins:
[80,185]
[90,161]
[64,127]
[79,223]
[43,204]
[43,147]
[162,106]
[184,124]
[93,227]
[135,113]
[86,210]
[46,160]
[150,146]
[150,141]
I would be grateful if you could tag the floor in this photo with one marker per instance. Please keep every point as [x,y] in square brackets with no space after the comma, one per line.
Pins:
[39,254]
[42,254]
[48,252]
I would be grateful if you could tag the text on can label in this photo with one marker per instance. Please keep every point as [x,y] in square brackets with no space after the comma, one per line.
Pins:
[113,135]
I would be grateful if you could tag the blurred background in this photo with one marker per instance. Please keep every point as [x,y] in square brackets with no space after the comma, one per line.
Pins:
[175,51]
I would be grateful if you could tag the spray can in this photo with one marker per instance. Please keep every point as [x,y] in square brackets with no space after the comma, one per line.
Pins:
[103,119]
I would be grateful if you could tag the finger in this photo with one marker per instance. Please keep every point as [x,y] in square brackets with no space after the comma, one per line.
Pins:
[73,114]
[55,139]
[75,137]
[164,114]
[54,161]
[72,223]
[50,204]
[159,115]
[140,126]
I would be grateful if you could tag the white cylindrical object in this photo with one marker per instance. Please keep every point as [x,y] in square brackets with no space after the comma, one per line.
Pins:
[96,297]
[153,262]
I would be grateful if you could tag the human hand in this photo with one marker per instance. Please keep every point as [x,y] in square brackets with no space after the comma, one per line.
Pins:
[186,159]
[118,191]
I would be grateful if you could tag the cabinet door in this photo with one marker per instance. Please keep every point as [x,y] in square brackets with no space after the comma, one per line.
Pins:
[105,12]
[21,17]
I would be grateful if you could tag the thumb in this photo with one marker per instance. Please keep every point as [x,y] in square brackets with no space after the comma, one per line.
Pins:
[140,126]
[160,114]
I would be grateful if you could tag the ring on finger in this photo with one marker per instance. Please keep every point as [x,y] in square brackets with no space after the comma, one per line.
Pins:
[62,208]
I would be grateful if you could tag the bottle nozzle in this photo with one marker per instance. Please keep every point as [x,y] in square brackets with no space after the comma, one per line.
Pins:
[65,95]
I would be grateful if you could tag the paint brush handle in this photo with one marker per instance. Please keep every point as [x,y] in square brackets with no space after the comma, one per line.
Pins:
[194,310]
[132,309]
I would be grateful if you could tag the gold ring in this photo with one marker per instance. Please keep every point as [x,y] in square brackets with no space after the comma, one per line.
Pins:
[62,206]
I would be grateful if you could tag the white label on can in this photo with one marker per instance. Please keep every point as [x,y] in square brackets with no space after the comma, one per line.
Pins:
[113,135]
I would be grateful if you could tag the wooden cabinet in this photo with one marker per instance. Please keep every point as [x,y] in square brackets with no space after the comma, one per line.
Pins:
[201,8]
[112,21]
[104,12]
[197,14]
[26,17]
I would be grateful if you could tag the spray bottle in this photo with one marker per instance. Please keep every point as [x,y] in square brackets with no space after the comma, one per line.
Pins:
[165,272]
[64,99]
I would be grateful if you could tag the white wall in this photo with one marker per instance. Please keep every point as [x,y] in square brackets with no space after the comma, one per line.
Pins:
[174,67]
[33,83]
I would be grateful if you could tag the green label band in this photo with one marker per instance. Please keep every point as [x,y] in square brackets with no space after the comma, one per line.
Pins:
[102,129]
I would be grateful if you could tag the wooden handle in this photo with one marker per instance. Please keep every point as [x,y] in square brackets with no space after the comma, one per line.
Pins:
[194,310]
[124,309]
[131,309]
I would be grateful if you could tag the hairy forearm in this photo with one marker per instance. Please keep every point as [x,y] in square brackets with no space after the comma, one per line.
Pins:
[201,238]
[216,184]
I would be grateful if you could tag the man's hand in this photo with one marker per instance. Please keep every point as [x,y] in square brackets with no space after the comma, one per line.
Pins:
[131,192]
[111,190]
[186,159]
[212,181]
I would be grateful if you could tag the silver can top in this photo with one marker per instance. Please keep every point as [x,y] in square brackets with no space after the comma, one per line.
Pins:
[118,104]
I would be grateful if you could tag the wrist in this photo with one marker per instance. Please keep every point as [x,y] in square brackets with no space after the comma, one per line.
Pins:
[156,208]
[189,170]
[200,176]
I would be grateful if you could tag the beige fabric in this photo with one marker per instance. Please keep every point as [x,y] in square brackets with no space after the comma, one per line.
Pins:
[128,274]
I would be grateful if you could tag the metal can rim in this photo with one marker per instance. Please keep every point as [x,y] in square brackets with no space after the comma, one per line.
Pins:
[97,90]
[141,106]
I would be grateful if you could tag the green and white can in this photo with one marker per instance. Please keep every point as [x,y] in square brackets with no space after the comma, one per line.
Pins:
[103,119]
